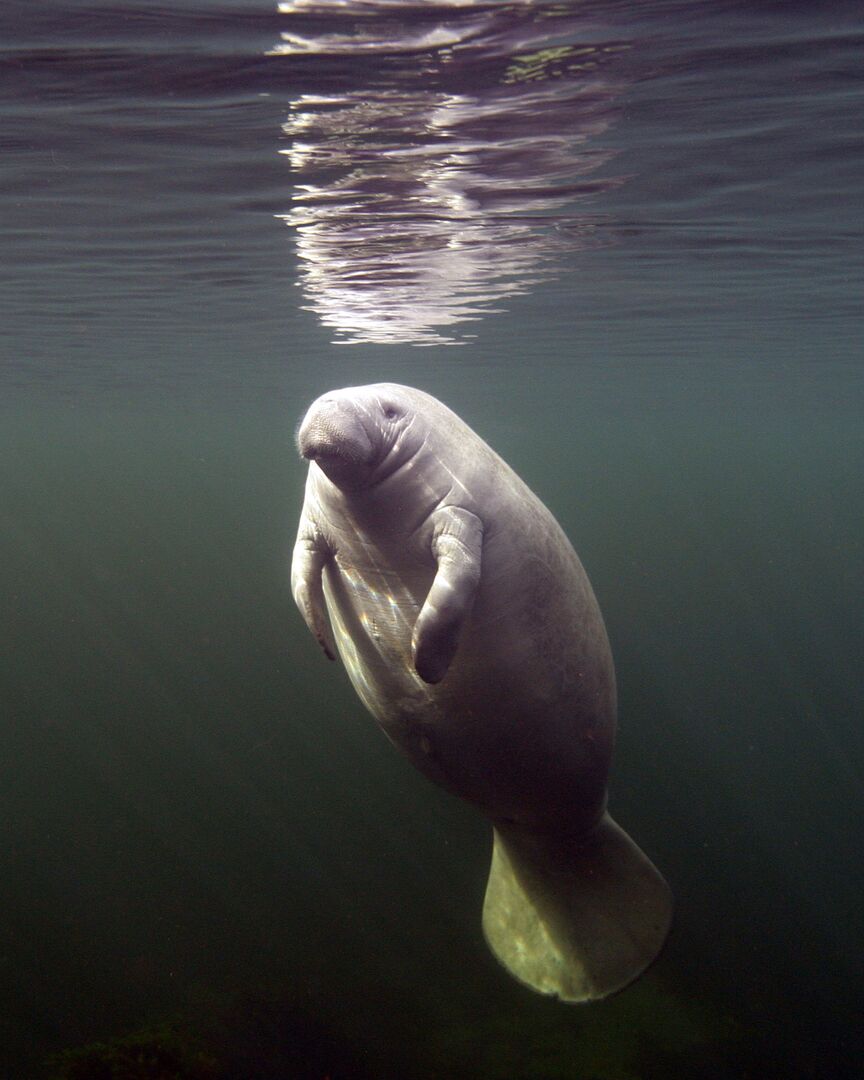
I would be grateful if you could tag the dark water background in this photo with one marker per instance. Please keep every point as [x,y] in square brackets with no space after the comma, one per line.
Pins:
[198,822]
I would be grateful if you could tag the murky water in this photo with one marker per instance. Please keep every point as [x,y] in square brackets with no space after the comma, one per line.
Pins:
[629,238]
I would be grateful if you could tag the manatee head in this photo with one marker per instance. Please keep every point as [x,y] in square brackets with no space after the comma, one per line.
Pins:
[360,435]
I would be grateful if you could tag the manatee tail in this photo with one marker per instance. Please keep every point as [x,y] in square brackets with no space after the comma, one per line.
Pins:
[579,922]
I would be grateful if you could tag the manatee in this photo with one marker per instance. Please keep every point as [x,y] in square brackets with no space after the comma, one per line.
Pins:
[470,631]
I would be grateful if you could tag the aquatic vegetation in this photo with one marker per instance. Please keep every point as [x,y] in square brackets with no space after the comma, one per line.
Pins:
[253,1036]
[160,1053]
[378,1034]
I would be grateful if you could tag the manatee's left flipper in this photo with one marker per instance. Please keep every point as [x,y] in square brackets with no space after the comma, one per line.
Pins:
[311,552]
[457,542]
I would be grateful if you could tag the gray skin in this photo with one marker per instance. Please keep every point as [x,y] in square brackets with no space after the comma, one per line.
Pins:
[470,631]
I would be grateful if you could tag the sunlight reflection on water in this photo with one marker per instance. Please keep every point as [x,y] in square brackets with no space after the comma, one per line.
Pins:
[445,178]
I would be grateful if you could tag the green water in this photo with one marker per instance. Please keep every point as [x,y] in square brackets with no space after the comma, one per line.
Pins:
[209,856]
[195,805]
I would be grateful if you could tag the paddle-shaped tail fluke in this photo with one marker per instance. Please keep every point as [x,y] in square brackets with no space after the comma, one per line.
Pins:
[575,921]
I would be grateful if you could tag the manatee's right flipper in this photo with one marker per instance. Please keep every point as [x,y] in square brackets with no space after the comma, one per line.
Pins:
[578,922]
[307,565]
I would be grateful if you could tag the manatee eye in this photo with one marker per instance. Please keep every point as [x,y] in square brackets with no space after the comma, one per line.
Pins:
[391,412]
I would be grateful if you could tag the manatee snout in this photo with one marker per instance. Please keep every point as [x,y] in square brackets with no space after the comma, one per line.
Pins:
[332,435]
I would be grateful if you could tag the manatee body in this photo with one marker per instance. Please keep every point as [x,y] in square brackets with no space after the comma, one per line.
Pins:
[470,631]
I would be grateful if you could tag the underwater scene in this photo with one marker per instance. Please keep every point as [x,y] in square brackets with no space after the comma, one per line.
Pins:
[275,278]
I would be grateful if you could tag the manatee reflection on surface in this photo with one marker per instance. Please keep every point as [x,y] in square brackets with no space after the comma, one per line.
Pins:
[442,178]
